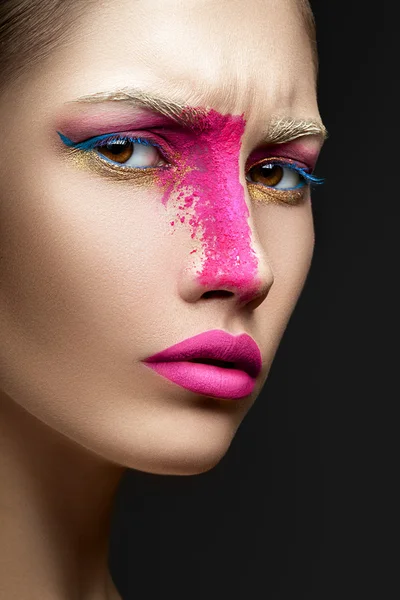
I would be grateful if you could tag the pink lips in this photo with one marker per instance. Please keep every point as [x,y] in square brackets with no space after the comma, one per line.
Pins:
[235,380]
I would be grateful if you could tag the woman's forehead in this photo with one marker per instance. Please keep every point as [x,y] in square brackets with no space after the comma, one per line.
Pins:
[232,56]
[198,37]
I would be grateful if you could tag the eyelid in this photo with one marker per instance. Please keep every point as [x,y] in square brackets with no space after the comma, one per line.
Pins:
[151,140]
[92,143]
[291,164]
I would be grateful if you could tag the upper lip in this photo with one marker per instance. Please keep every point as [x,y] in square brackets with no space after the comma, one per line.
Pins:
[216,344]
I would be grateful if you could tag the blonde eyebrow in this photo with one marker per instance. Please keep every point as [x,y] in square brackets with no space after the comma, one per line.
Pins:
[279,130]
[284,129]
[180,113]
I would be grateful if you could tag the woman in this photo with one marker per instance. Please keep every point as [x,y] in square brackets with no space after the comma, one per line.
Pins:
[156,233]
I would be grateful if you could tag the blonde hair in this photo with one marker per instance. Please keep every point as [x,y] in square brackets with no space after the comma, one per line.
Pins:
[30,30]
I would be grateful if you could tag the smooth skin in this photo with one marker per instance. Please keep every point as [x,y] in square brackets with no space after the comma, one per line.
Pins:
[92,280]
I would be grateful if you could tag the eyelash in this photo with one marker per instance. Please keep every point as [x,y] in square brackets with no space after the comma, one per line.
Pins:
[308,179]
[93,143]
[107,138]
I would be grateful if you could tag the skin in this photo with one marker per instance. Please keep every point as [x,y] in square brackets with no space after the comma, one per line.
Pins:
[93,279]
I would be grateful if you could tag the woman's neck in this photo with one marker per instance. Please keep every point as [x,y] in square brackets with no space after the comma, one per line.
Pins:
[55,510]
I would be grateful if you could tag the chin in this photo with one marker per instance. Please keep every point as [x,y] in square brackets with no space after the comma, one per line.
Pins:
[193,463]
[187,463]
[185,446]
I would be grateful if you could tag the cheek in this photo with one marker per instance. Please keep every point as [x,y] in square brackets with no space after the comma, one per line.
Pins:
[78,261]
[287,236]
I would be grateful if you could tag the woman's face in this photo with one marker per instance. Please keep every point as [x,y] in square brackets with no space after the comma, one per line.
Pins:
[113,252]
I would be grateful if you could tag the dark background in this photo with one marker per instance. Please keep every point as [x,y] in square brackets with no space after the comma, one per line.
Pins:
[294,509]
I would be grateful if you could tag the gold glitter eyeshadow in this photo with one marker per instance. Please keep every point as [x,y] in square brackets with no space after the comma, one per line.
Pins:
[84,159]
[146,177]
[263,194]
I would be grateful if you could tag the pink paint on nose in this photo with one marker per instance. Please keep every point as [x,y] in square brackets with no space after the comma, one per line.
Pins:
[208,178]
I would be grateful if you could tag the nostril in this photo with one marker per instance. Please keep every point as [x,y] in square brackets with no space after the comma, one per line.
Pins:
[217,294]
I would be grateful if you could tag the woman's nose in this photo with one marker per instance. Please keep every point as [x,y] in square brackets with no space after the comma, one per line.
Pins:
[231,263]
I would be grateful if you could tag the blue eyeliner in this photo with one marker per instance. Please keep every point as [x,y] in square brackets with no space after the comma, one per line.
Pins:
[108,138]
[307,178]
[97,141]
[310,179]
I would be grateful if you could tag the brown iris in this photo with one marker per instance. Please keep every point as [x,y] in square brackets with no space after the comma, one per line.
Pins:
[266,174]
[117,151]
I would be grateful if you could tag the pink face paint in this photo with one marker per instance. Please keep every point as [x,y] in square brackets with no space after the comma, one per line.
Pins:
[204,180]
[207,178]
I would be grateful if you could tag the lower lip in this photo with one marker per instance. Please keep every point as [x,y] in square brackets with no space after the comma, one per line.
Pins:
[209,380]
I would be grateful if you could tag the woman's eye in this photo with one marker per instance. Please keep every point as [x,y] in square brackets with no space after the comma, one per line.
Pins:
[276,176]
[131,154]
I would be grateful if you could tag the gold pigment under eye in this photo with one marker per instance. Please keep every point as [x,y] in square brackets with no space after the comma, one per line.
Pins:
[150,176]
[84,159]
[263,194]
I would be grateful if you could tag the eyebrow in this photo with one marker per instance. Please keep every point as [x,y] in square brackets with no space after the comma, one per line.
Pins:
[279,129]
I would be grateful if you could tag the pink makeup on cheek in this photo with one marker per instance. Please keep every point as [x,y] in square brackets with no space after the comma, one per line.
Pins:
[208,181]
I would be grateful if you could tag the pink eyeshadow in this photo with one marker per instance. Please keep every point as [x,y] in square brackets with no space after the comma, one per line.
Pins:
[296,150]
[96,122]
[209,181]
